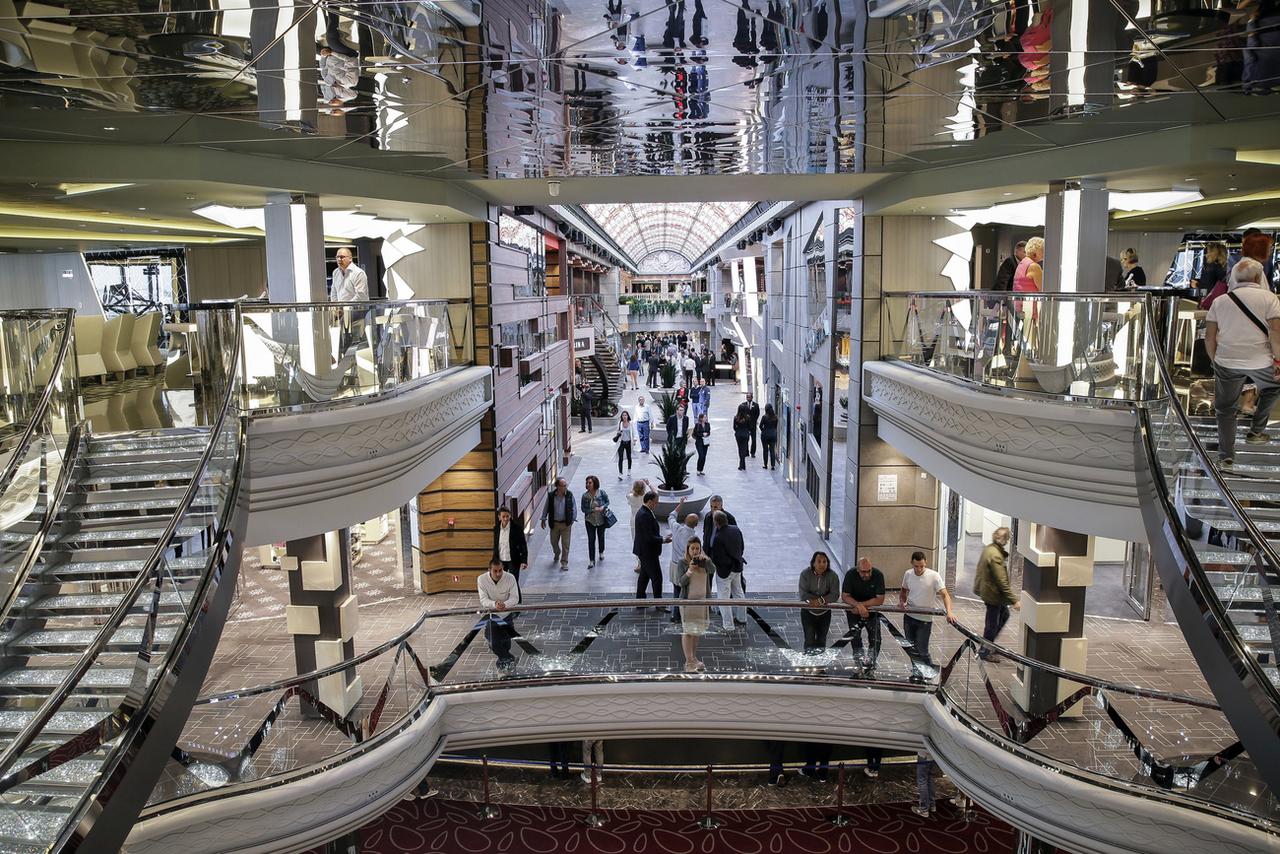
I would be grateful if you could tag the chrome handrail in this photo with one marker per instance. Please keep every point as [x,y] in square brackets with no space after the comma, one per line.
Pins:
[150,568]
[1229,635]
[14,462]
[585,604]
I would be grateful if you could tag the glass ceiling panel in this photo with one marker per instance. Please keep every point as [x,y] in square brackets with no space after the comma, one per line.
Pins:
[645,229]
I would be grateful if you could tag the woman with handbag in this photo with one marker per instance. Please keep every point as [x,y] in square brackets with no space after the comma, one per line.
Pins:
[596,515]
[624,437]
[693,574]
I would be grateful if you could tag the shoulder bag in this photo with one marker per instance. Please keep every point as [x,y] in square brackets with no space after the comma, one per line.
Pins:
[1235,298]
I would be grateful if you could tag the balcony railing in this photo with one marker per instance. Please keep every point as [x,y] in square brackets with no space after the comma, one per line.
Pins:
[259,736]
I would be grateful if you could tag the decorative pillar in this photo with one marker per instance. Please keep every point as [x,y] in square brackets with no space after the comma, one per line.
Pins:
[323,614]
[295,248]
[1057,571]
[1075,236]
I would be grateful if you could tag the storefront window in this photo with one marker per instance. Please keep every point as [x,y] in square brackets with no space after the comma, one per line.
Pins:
[520,235]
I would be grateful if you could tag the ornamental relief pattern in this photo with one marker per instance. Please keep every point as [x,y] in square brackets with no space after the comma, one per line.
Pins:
[1041,439]
[360,441]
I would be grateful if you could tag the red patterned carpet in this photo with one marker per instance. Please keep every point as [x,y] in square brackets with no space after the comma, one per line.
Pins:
[451,827]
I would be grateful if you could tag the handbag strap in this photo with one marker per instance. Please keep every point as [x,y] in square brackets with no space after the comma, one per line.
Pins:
[1235,298]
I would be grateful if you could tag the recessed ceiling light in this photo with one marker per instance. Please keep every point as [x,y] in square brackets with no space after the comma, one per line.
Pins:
[108,127]
[359,206]
[1232,188]
[1188,179]
[142,209]
[1006,194]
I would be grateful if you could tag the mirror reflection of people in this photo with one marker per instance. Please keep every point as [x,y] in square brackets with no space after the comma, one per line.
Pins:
[339,66]
[498,592]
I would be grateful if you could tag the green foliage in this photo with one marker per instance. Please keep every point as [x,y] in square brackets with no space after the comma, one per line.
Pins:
[668,371]
[666,404]
[673,463]
[642,308]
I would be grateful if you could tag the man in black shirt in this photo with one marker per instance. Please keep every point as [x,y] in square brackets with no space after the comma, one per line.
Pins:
[655,364]
[864,589]
[1009,266]
[753,419]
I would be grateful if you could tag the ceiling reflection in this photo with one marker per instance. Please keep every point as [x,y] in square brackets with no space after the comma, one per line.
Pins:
[503,89]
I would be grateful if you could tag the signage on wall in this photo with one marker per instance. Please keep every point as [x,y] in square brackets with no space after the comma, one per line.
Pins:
[886,488]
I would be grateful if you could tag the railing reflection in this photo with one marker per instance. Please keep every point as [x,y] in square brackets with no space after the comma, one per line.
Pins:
[1080,345]
[1103,732]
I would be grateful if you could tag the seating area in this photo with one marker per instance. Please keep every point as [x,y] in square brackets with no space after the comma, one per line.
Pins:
[119,346]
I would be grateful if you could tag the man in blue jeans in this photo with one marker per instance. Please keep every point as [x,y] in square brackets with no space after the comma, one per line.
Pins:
[1242,337]
[922,588]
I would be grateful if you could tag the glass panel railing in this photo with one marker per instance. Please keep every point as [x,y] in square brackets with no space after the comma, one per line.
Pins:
[308,354]
[240,738]
[1076,345]
[39,434]
[134,657]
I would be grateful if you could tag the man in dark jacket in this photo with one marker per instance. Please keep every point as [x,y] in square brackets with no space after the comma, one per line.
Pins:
[991,583]
[678,428]
[586,400]
[1009,266]
[561,512]
[509,545]
[726,553]
[647,546]
[753,419]
[715,505]
[655,365]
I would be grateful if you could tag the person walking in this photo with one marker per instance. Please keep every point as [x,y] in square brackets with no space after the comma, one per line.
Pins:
[647,546]
[701,433]
[769,437]
[863,589]
[924,785]
[595,507]
[509,545]
[655,365]
[693,575]
[498,591]
[678,429]
[726,553]
[635,500]
[683,528]
[819,585]
[586,400]
[1242,338]
[1028,276]
[643,422]
[701,399]
[561,512]
[753,420]
[592,757]
[633,369]
[689,365]
[991,583]
[709,366]
[624,438]
[923,588]
[742,434]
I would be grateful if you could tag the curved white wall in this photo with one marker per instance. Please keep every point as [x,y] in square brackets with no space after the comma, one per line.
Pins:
[313,806]
[319,471]
[1071,465]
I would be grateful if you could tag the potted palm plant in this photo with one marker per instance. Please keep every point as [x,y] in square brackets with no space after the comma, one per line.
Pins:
[673,487]
[664,407]
[668,371]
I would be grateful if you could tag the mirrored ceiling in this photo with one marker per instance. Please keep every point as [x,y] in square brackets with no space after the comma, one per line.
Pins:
[500,89]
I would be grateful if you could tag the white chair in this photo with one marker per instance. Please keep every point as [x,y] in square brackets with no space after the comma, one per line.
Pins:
[117,337]
[89,331]
[146,328]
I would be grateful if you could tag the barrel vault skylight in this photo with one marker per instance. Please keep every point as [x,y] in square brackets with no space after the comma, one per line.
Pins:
[666,237]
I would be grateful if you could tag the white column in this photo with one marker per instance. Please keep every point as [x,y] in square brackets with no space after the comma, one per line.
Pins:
[1075,236]
[295,248]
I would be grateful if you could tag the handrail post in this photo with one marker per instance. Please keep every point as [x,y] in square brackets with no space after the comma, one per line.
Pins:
[487,811]
[709,821]
[840,819]
[595,818]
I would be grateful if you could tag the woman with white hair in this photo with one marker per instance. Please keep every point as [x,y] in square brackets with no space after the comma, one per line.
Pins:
[1242,337]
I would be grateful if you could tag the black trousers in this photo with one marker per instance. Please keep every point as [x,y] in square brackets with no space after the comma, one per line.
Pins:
[753,441]
[650,576]
[514,568]
[918,632]
[872,627]
[770,452]
[816,627]
[688,379]
[653,377]
[595,534]
[701,447]
[742,451]
[997,616]
[624,448]
[499,631]
[584,419]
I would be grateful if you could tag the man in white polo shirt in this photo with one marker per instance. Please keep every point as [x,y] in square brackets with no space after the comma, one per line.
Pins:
[1242,337]
[644,421]
[922,587]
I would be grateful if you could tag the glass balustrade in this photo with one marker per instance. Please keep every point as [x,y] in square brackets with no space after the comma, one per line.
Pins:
[39,433]
[1147,742]
[1076,345]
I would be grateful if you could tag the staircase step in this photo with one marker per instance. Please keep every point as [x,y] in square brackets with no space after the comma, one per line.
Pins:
[115,570]
[125,639]
[30,828]
[40,680]
[101,603]
[62,723]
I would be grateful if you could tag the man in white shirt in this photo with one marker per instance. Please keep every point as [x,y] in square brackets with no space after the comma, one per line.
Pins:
[349,282]
[922,587]
[689,367]
[1242,337]
[498,592]
[644,421]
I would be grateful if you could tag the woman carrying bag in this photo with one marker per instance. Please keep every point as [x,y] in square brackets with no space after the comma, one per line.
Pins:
[597,516]
[701,436]
[626,433]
